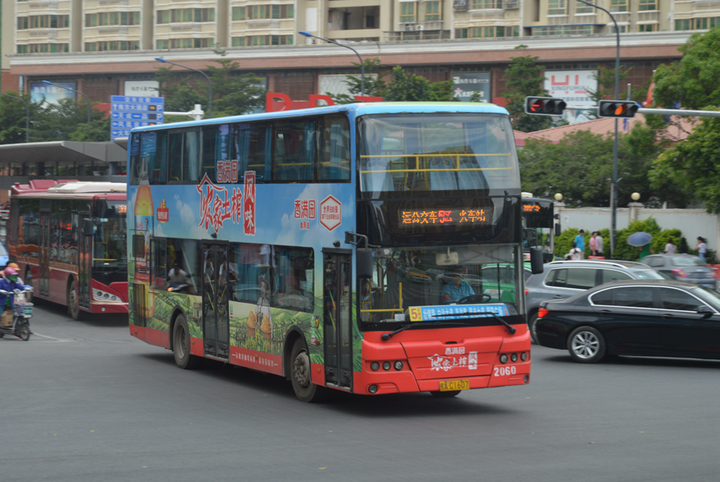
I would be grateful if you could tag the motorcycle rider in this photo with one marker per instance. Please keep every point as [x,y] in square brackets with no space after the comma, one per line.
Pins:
[10,283]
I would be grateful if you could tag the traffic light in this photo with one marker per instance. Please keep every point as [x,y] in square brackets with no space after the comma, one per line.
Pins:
[544,105]
[617,108]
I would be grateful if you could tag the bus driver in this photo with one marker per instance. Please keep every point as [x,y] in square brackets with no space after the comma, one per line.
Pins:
[457,288]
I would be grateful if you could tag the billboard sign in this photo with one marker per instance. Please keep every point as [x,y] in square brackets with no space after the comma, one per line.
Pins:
[467,84]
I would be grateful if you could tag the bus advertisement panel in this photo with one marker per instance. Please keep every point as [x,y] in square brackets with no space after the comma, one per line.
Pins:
[341,247]
[68,239]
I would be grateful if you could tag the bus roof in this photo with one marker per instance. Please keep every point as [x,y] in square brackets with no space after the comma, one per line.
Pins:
[356,109]
[50,186]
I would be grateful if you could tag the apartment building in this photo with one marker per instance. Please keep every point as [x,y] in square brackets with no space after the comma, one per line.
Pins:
[100,45]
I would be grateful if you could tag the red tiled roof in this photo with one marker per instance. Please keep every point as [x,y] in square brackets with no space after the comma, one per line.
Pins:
[606,125]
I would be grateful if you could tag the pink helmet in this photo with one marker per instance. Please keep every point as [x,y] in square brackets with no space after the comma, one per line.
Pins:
[10,271]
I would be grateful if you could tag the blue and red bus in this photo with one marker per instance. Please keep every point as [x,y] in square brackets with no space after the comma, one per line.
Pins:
[343,247]
[69,240]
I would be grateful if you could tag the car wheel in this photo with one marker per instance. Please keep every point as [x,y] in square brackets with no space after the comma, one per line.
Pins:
[586,345]
[532,320]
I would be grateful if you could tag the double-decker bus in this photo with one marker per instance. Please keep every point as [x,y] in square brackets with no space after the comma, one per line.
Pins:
[538,218]
[343,247]
[69,240]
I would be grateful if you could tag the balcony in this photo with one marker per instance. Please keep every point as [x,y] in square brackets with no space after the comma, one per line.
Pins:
[416,36]
[511,4]
[48,33]
[649,17]
[44,5]
[460,5]
[263,23]
[706,5]
[488,14]
[113,2]
[113,30]
[185,27]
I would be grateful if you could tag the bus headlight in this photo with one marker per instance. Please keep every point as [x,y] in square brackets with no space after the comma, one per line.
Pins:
[503,358]
[375,366]
[100,295]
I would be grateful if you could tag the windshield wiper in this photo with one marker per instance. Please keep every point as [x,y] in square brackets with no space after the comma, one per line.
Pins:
[511,329]
[387,336]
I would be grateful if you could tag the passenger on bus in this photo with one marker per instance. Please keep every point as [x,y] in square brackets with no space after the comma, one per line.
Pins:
[457,288]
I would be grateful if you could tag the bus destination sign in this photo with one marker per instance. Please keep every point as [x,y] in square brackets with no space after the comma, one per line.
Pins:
[446,217]
[531,207]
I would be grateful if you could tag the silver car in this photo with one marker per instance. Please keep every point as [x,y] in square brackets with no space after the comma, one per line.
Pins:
[563,279]
[682,267]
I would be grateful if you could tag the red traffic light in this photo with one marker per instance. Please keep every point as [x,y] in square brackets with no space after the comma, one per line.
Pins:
[544,105]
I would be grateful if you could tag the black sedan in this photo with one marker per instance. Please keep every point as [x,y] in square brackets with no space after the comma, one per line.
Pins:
[637,317]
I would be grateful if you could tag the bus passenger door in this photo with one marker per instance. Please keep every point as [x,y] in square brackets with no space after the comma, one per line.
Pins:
[44,253]
[215,295]
[337,312]
[85,260]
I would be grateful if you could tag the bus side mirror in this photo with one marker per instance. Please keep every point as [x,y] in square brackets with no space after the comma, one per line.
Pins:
[364,263]
[536,260]
[88,227]
[558,230]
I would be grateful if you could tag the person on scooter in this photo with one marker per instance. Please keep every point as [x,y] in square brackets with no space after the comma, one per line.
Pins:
[10,283]
[16,268]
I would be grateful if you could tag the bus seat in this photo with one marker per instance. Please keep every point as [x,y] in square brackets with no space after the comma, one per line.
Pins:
[471,179]
[442,180]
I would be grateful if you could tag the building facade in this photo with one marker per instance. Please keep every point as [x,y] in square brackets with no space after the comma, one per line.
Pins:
[99,46]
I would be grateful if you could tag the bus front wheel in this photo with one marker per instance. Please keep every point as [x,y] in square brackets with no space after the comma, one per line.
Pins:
[300,375]
[73,302]
[181,345]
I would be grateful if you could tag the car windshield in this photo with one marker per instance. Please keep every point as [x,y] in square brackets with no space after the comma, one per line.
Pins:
[712,297]
[648,274]
[687,261]
[437,276]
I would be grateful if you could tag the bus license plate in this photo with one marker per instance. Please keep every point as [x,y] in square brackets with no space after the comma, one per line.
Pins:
[452,385]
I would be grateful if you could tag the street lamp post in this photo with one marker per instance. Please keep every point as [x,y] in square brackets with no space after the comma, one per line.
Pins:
[615,147]
[76,91]
[27,116]
[160,59]
[362,66]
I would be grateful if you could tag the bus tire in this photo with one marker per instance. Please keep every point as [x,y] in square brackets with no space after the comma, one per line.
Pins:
[73,302]
[300,375]
[451,394]
[181,345]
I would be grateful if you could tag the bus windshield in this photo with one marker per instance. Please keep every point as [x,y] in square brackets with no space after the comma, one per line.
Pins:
[109,246]
[409,277]
[436,152]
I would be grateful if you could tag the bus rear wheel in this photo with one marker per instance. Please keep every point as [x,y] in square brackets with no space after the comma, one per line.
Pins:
[73,302]
[300,375]
[181,345]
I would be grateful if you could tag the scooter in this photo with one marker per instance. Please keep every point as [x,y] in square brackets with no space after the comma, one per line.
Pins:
[22,312]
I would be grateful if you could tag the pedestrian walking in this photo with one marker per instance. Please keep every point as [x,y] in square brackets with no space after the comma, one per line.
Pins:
[670,247]
[701,248]
[580,243]
[683,248]
[575,254]
[593,244]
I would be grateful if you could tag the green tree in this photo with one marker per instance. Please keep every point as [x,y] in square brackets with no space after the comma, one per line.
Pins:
[67,120]
[406,87]
[693,82]
[693,164]
[580,167]
[233,93]
[375,84]
[13,118]
[524,78]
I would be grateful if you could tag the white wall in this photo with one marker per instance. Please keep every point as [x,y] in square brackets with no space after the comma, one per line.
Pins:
[692,222]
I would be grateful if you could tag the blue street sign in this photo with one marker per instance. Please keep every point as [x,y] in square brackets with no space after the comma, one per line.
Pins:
[129,111]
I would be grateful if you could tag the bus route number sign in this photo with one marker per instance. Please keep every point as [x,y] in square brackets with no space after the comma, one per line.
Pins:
[531,208]
[445,217]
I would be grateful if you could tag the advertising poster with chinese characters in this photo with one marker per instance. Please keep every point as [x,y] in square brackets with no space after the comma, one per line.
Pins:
[265,220]
[465,85]
[572,86]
